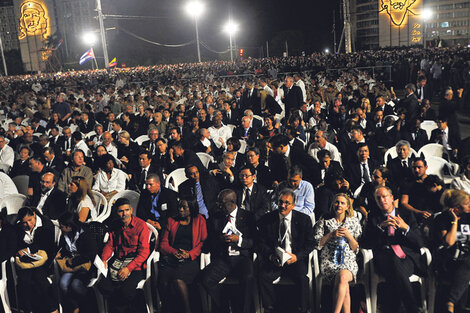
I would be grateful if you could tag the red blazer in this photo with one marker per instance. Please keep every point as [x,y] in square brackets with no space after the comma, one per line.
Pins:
[199,235]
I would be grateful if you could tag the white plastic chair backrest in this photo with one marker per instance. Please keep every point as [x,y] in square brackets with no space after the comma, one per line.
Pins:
[436,166]
[394,117]
[73,127]
[139,140]
[131,195]
[21,183]
[89,134]
[357,192]
[392,153]
[259,118]
[100,199]
[432,149]
[205,158]
[13,203]
[178,176]
[242,146]
[232,127]
[428,126]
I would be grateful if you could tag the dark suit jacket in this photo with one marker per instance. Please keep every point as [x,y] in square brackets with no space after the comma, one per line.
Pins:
[453,138]
[410,103]
[61,143]
[354,172]
[8,244]
[298,157]
[163,161]
[58,164]
[215,243]
[136,182]
[146,146]
[293,98]
[188,157]
[263,176]
[387,109]
[86,128]
[20,168]
[215,152]
[167,196]
[397,171]
[55,204]
[210,190]
[420,140]
[302,242]
[253,103]
[234,119]
[258,200]
[377,240]
[426,91]
[252,135]
[334,169]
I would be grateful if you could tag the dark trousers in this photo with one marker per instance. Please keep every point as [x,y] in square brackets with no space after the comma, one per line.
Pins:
[460,280]
[397,274]
[296,271]
[34,290]
[120,293]
[240,267]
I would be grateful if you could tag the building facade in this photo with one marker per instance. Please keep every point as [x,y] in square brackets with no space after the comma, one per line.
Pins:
[8,28]
[391,23]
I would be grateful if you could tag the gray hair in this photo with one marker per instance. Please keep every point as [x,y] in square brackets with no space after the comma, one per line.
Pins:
[402,143]
[287,192]
[411,87]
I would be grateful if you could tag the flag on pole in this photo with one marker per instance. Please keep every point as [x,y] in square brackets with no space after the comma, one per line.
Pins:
[112,63]
[89,55]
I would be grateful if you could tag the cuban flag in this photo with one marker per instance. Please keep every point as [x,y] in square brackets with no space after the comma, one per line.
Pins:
[89,55]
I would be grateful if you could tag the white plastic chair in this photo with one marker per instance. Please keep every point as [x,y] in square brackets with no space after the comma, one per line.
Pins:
[428,126]
[175,178]
[3,288]
[394,117]
[205,158]
[139,140]
[21,183]
[13,203]
[432,149]
[437,166]
[259,118]
[131,195]
[231,126]
[375,279]
[242,146]
[101,206]
[89,134]
[363,280]
[391,153]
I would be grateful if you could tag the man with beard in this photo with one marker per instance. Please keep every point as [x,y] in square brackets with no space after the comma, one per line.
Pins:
[52,201]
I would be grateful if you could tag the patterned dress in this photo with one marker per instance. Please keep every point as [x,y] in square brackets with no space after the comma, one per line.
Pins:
[328,267]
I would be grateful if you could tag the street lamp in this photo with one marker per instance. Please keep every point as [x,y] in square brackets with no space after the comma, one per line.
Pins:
[231,28]
[195,9]
[90,38]
[327,51]
[426,15]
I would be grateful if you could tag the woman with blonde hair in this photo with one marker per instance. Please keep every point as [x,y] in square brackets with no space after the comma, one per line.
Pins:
[452,237]
[82,201]
[336,236]
[365,105]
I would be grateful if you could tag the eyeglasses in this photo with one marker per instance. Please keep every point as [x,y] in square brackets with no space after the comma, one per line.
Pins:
[280,202]
[244,176]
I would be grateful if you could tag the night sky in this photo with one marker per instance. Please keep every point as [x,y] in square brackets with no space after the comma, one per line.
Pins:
[306,24]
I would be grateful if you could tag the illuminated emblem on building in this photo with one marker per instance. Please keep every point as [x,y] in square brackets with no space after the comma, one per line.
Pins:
[34,20]
[397,10]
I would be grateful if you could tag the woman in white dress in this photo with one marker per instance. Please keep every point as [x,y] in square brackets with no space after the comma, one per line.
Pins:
[81,200]
[336,236]
[109,180]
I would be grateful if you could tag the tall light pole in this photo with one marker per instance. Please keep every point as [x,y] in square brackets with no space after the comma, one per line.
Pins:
[426,14]
[3,57]
[195,9]
[231,28]
[103,33]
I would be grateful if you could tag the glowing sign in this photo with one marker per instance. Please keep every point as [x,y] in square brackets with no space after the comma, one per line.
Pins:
[398,10]
[34,20]
[416,35]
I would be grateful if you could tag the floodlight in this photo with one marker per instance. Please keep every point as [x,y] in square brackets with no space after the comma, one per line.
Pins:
[427,13]
[89,38]
[195,8]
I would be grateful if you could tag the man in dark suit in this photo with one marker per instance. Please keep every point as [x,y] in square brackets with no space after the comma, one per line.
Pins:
[180,157]
[156,203]
[53,160]
[86,125]
[162,158]
[245,132]
[290,231]
[414,134]
[251,196]
[423,90]
[361,171]
[263,173]
[409,103]
[202,187]
[446,136]
[230,116]
[231,237]
[250,99]
[65,141]
[327,167]
[395,240]
[293,98]
[21,165]
[284,157]
[51,202]
[382,106]
[151,144]
[400,167]
[139,175]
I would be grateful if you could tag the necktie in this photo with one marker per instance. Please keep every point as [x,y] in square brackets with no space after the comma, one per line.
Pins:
[396,248]
[403,163]
[246,202]
[152,148]
[365,173]
[142,178]
[282,233]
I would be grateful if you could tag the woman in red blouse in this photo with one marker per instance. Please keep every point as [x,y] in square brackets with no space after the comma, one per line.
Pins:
[180,248]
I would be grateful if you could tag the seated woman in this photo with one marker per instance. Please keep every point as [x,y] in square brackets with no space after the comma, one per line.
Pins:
[462,182]
[180,248]
[77,249]
[109,180]
[452,236]
[269,127]
[35,235]
[82,202]
[336,236]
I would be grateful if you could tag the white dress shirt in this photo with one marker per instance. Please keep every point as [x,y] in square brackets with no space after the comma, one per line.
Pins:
[7,155]
[287,221]
[117,181]
[223,132]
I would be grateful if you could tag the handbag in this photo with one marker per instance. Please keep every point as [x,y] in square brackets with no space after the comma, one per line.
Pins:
[62,262]
[26,262]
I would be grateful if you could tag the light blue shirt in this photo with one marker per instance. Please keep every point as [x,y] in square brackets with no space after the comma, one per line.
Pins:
[305,197]
[200,201]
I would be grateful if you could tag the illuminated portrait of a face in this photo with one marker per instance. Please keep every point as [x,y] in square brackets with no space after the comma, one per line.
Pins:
[397,10]
[34,20]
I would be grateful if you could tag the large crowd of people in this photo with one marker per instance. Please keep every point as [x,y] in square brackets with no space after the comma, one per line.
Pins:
[281,156]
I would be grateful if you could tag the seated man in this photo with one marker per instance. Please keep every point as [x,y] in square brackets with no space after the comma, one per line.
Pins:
[50,202]
[251,196]
[360,171]
[126,265]
[76,168]
[395,240]
[400,167]
[291,231]
[231,235]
